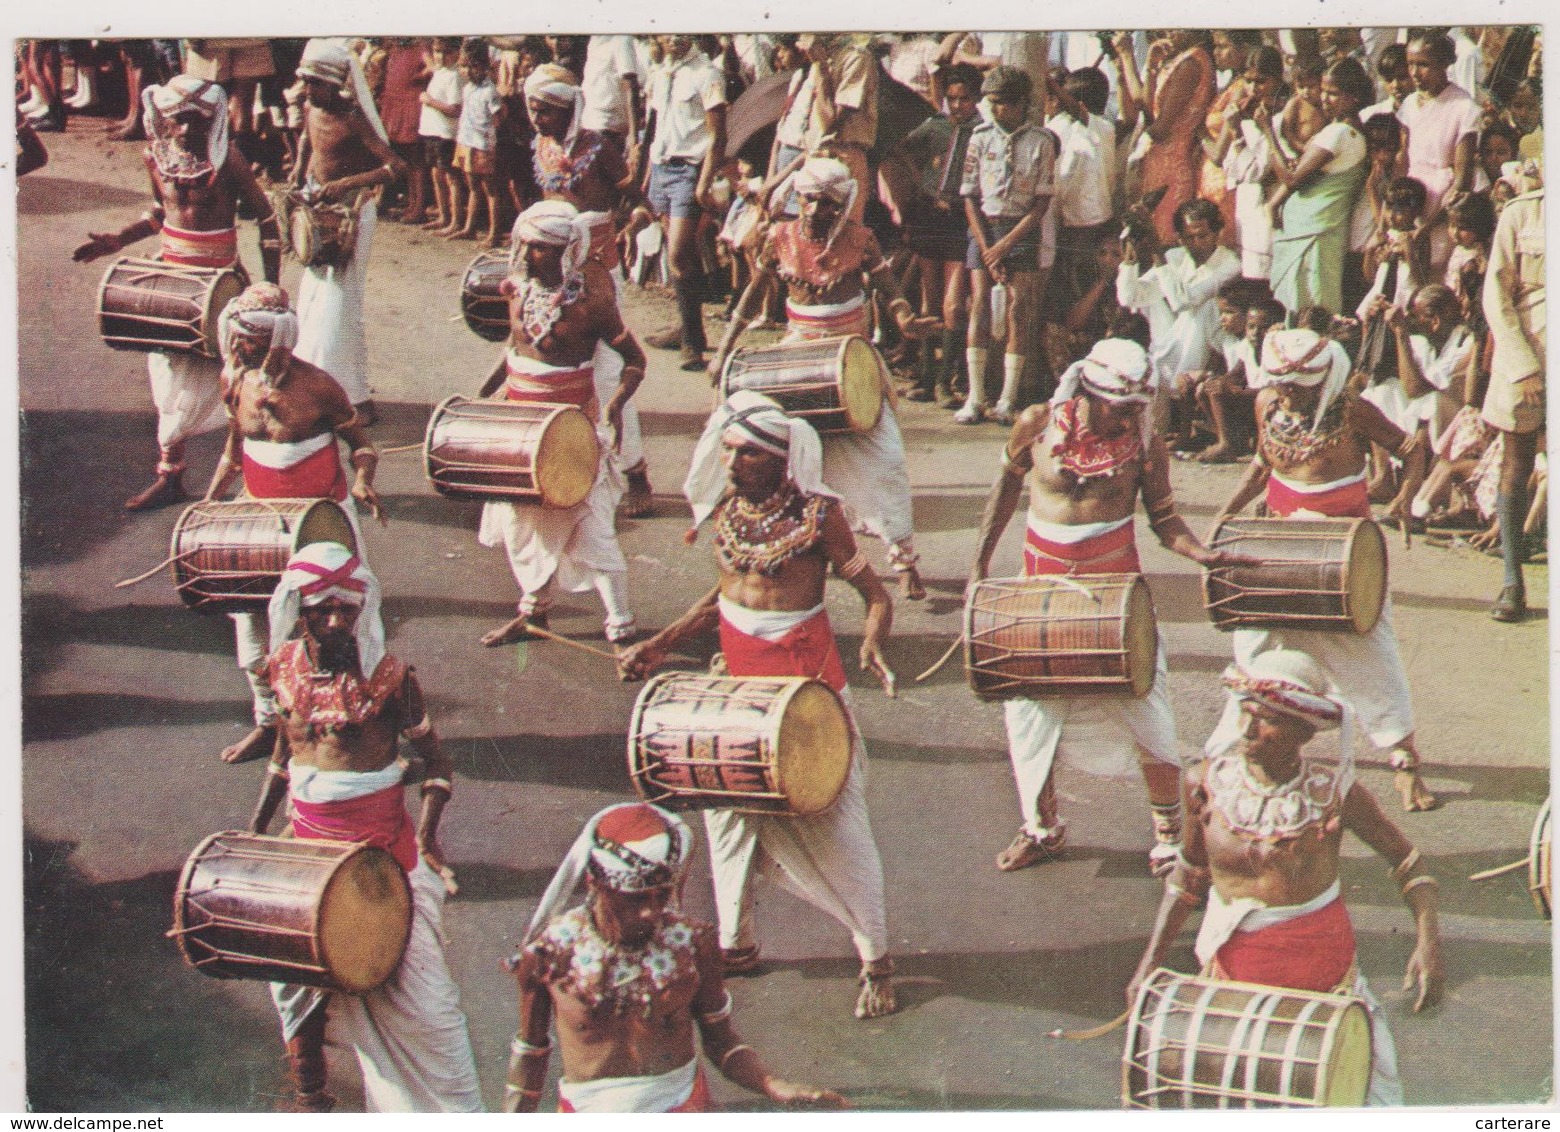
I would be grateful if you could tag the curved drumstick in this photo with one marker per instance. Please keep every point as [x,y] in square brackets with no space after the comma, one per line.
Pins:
[942,660]
[1502,870]
[1093,1032]
[399,448]
[169,561]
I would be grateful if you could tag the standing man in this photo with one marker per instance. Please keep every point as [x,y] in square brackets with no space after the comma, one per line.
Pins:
[284,418]
[823,258]
[1265,824]
[1313,440]
[687,143]
[197,184]
[614,93]
[841,92]
[346,157]
[629,977]
[562,307]
[344,703]
[1089,455]
[778,529]
[587,169]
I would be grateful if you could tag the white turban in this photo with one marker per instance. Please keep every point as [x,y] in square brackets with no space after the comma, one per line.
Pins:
[1304,357]
[1116,369]
[261,310]
[821,176]
[555,223]
[556,86]
[752,418]
[1523,176]
[332,61]
[324,570]
[159,104]
[630,847]
[1293,684]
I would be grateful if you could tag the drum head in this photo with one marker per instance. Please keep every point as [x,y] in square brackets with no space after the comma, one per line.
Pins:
[227,287]
[1540,869]
[325,522]
[301,236]
[1366,575]
[861,385]
[1140,638]
[567,457]
[814,749]
[1348,1069]
[365,920]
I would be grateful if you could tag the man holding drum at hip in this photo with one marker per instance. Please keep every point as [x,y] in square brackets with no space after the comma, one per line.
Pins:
[344,702]
[778,529]
[1313,440]
[198,181]
[562,306]
[1089,455]
[284,416]
[1265,822]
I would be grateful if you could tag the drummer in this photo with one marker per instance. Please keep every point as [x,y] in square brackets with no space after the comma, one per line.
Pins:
[346,156]
[284,416]
[1314,438]
[587,169]
[198,181]
[1088,456]
[627,1043]
[562,306]
[822,257]
[1265,824]
[778,529]
[344,702]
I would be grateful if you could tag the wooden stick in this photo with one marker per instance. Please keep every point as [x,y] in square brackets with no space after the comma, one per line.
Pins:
[1502,870]
[1094,1032]
[399,448]
[169,561]
[947,656]
[549,635]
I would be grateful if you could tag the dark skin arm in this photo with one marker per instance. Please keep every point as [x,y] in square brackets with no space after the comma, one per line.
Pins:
[100,244]
[644,658]
[1186,888]
[1008,489]
[274,789]
[1251,485]
[393,169]
[1372,422]
[839,546]
[495,379]
[437,765]
[247,189]
[528,1069]
[1166,521]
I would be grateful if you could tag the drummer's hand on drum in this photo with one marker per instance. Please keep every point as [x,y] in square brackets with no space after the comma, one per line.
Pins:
[872,661]
[637,661]
[1427,971]
[428,847]
[368,499]
[100,244]
[1209,559]
[793,1093]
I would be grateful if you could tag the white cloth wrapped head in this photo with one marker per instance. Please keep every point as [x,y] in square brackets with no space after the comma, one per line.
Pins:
[821,176]
[182,94]
[631,847]
[262,310]
[1523,176]
[557,86]
[1294,684]
[332,61]
[1304,357]
[1117,370]
[752,418]
[324,570]
[555,223]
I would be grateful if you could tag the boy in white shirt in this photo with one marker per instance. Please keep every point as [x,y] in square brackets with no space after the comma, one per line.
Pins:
[476,139]
[436,127]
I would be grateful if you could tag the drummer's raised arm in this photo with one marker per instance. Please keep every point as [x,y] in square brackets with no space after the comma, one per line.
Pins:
[1017,461]
[746,311]
[1165,518]
[274,788]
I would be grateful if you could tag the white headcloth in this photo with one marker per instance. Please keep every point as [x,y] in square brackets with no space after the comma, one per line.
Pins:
[333,61]
[1304,357]
[262,309]
[324,570]
[159,104]
[823,176]
[1292,683]
[555,223]
[752,418]
[556,86]
[1116,369]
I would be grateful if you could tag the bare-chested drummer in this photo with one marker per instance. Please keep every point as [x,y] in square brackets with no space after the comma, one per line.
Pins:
[562,306]
[1265,825]
[345,702]
[778,530]
[1314,438]
[345,154]
[284,419]
[587,169]
[198,181]
[1089,455]
[628,978]
[823,258]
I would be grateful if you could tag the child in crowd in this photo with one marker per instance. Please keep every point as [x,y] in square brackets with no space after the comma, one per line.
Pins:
[476,140]
[1472,224]
[441,105]
[1383,143]
[1303,116]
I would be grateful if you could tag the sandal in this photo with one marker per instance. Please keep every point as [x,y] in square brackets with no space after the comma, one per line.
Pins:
[877,990]
[740,960]
[1028,849]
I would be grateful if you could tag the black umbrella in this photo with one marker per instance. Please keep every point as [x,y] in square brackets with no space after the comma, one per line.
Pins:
[751,120]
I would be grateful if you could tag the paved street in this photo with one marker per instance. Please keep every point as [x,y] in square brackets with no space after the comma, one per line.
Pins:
[128,697]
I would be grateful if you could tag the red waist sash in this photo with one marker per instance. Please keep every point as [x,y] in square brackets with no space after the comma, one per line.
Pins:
[575,387]
[1351,501]
[807,650]
[200,249]
[802,325]
[1312,952]
[1114,552]
[379,819]
[317,476]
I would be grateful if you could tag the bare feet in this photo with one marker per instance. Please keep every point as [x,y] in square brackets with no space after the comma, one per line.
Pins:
[1216,454]
[437,224]
[257,744]
[911,588]
[512,631]
[1416,796]
[1027,850]
[638,502]
[165,489]
[739,960]
[877,990]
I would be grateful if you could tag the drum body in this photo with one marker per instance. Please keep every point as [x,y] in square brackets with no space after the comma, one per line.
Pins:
[1540,869]
[1328,574]
[834,384]
[321,234]
[754,744]
[322,913]
[1202,1043]
[146,304]
[484,308]
[1060,635]
[522,451]
[228,555]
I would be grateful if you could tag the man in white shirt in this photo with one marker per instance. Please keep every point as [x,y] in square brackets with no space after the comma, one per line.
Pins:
[612,83]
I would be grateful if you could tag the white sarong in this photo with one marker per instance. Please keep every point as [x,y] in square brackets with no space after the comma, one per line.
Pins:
[571,546]
[187,390]
[660,1093]
[332,331]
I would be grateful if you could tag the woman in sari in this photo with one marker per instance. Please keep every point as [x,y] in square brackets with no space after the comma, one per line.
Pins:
[1316,194]
[1179,98]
